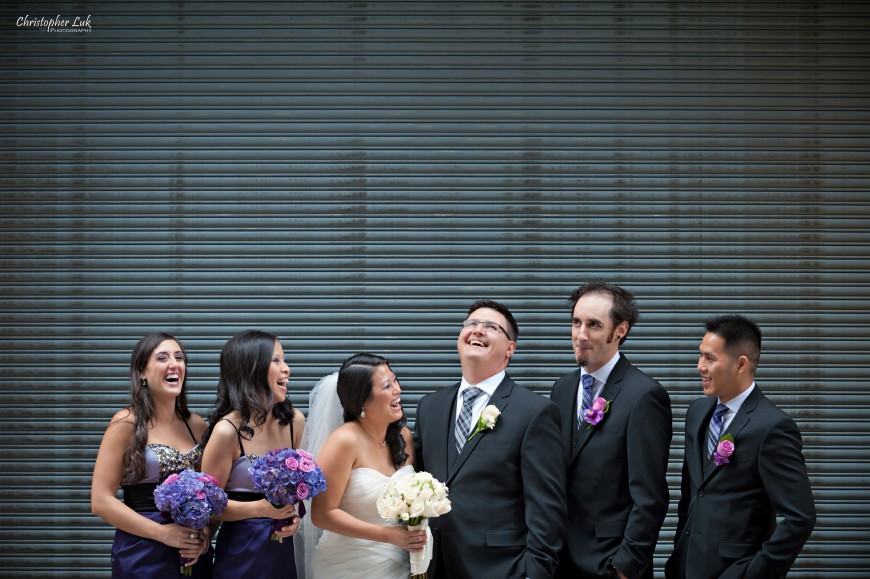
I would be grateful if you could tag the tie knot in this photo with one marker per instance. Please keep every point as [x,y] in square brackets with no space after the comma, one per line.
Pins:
[587,380]
[721,409]
[471,394]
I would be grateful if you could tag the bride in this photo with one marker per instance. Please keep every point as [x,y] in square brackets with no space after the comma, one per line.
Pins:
[358,459]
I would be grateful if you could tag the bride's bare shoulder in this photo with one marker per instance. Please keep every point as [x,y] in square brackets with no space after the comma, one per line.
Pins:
[346,435]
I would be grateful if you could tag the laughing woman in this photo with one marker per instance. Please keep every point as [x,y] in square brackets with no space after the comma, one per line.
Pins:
[359,458]
[142,446]
[252,416]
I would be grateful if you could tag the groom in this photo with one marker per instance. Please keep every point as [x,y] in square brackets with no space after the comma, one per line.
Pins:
[507,483]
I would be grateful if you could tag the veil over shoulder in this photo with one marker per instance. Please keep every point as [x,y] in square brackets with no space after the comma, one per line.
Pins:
[324,415]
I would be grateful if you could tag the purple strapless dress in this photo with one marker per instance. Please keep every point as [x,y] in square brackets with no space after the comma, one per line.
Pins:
[135,557]
[243,548]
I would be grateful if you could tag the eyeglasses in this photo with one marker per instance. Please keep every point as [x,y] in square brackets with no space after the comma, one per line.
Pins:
[488,327]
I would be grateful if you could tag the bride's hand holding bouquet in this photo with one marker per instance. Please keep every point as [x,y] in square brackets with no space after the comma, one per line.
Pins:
[412,500]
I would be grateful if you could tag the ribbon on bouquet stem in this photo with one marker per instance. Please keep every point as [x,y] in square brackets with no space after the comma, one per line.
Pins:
[420,559]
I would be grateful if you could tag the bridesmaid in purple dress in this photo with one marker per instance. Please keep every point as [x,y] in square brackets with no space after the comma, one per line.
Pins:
[252,416]
[144,443]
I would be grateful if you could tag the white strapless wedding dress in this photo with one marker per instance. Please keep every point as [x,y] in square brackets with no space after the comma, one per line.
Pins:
[339,556]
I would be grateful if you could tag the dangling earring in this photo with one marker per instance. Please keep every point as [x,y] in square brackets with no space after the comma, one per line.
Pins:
[144,383]
[362,414]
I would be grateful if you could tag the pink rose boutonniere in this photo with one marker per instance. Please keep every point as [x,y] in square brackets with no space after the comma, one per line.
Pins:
[724,449]
[595,413]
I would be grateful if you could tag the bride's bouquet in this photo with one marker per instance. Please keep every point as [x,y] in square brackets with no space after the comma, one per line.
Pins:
[411,500]
[286,477]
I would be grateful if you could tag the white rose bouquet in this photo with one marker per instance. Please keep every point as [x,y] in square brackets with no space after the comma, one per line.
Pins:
[412,500]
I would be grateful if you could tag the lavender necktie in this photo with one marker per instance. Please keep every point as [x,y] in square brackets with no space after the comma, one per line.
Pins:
[715,428]
[588,382]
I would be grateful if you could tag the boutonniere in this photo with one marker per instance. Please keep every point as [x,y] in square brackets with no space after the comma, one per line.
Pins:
[488,418]
[724,449]
[596,412]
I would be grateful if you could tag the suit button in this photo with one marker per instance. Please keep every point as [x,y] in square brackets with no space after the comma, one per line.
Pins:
[700,493]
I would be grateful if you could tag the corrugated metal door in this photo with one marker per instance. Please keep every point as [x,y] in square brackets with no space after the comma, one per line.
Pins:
[351,175]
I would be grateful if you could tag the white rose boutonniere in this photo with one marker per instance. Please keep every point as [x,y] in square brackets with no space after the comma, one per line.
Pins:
[488,418]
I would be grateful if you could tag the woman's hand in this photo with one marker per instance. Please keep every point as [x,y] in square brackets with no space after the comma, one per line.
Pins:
[189,542]
[402,538]
[269,511]
[290,529]
[207,534]
[174,535]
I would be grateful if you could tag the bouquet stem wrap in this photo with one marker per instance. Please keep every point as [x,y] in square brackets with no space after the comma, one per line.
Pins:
[420,559]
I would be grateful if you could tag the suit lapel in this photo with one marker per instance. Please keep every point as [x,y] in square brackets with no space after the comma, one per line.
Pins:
[566,399]
[740,420]
[500,399]
[443,414]
[610,392]
[700,431]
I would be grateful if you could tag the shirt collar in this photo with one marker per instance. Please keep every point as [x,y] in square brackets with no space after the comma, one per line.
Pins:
[602,374]
[489,385]
[735,403]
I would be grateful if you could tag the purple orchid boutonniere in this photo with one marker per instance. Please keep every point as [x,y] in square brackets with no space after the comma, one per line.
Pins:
[595,413]
[724,449]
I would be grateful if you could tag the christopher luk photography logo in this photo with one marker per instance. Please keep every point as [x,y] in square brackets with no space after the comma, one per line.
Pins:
[55,23]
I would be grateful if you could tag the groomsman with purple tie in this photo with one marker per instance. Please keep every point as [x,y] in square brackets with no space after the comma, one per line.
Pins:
[616,434]
[743,467]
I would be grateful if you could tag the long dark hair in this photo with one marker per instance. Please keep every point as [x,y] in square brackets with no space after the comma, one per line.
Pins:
[243,385]
[142,405]
[355,389]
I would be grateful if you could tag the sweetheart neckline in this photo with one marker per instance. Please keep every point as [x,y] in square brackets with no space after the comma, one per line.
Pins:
[173,448]
[380,473]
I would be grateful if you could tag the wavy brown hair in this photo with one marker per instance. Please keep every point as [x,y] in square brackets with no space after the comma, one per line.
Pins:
[142,406]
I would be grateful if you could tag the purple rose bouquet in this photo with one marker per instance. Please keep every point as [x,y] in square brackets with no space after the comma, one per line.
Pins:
[286,476]
[191,498]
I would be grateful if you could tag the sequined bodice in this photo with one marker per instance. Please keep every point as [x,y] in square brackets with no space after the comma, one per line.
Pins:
[162,460]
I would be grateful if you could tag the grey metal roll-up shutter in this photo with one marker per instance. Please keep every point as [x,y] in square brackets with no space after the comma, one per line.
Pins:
[351,175]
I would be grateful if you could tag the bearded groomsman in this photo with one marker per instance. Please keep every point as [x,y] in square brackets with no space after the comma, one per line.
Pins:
[616,434]
[743,466]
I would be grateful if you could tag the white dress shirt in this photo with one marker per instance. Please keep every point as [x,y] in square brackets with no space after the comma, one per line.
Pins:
[733,406]
[600,376]
[488,386]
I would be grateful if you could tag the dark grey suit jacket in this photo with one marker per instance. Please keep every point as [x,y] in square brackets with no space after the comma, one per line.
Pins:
[727,514]
[507,487]
[616,475]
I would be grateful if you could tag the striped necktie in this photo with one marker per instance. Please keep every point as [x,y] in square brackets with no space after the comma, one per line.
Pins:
[715,428]
[463,423]
[588,383]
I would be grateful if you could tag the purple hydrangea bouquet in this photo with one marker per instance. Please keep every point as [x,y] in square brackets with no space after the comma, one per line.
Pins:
[191,498]
[286,477]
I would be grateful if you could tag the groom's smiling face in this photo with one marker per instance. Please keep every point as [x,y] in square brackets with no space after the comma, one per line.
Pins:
[489,352]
